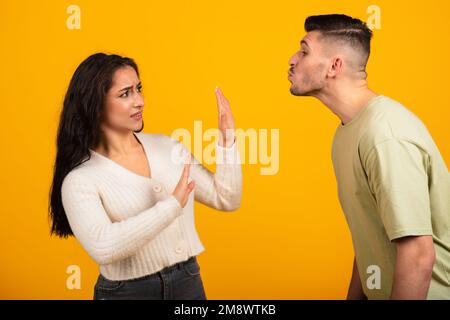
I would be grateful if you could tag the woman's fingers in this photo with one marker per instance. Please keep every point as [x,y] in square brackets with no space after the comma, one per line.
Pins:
[189,189]
[219,102]
[187,192]
[226,121]
[223,106]
[184,187]
[224,101]
[186,169]
[191,186]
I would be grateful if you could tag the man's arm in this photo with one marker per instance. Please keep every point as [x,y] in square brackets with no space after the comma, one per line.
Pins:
[355,290]
[397,173]
[414,266]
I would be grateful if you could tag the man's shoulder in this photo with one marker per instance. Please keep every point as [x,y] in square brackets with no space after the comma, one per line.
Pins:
[390,120]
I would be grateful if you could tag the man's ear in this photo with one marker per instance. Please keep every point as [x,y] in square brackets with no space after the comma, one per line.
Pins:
[336,67]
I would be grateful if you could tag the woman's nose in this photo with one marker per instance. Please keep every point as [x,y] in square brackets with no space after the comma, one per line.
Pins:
[139,100]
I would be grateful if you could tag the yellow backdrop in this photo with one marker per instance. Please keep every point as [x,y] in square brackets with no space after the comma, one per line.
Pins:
[289,240]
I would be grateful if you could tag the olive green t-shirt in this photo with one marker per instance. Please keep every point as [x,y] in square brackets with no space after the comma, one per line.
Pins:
[392,182]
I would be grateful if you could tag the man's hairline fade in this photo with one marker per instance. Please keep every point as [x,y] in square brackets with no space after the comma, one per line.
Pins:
[343,29]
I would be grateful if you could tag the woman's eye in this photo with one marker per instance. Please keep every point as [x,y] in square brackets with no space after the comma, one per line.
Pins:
[139,89]
[125,94]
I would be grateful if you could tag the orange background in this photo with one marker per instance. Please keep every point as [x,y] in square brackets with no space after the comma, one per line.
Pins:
[289,240]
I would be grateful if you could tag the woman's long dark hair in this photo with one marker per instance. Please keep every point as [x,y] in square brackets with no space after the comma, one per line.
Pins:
[79,126]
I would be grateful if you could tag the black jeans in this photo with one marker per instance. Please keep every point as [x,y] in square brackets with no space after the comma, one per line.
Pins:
[181,281]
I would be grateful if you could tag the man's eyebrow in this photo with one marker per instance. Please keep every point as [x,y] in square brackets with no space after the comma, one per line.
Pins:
[305,43]
[129,87]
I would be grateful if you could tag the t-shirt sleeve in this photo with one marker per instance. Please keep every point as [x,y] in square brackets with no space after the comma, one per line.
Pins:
[397,176]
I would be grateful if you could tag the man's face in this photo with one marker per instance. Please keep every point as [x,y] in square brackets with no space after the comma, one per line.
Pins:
[307,73]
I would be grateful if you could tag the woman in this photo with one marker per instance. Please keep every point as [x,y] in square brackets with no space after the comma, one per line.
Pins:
[121,193]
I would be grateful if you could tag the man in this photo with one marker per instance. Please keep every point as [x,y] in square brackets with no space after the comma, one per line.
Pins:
[393,184]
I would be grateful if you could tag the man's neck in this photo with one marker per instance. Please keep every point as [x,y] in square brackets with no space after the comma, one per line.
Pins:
[346,100]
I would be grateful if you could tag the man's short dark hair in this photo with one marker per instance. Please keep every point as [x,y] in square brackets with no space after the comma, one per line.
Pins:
[342,28]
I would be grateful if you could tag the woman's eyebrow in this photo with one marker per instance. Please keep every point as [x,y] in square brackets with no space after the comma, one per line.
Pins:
[129,87]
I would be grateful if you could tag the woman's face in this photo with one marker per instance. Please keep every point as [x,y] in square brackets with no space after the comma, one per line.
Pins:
[124,101]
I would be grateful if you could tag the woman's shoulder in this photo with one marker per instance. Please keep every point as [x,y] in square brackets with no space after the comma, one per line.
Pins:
[159,141]
[155,137]
[86,171]
[165,146]
[76,179]
[81,172]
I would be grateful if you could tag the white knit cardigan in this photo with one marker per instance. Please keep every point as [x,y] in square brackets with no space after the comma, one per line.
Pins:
[132,225]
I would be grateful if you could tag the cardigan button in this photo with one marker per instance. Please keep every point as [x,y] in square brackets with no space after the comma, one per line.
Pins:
[179,250]
[157,188]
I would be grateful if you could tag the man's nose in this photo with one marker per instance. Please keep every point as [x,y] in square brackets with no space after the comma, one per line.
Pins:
[292,60]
